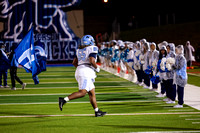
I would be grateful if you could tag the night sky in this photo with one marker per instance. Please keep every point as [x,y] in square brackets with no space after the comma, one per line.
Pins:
[144,12]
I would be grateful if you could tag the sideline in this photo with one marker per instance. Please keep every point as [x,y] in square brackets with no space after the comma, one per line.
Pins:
[191,92]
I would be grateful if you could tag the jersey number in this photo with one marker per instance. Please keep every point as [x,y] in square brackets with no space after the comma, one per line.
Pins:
[81,54]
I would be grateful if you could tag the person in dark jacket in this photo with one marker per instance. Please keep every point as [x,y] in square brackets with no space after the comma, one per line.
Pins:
[13,70]
[4,66]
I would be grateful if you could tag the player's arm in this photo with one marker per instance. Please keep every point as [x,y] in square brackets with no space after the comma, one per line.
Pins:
[92,59]
[93,62]
[75,62]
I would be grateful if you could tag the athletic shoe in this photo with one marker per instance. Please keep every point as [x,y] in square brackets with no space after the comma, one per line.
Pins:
[140,84]
[178,106]
[166,99]
[1,86]
[170,102]
[146,87]
[23,86]
[99,113]
[13,88]
[61,103]
[160,95]
[6,86]
[137,83]
[153,89]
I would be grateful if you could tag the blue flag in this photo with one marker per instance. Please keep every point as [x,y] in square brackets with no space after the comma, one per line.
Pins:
[25,55]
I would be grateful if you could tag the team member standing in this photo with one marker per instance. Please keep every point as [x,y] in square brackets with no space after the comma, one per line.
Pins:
[153,59]
[4,66]
[188,54]
[162,74]
[180,74]
[13,70]
[85,63]
[170,87]
[137,64]
[146,76]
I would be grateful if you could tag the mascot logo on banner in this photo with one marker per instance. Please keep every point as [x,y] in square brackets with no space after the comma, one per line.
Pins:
[49,21]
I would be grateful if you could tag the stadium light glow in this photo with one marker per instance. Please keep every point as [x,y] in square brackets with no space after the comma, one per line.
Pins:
[105,1]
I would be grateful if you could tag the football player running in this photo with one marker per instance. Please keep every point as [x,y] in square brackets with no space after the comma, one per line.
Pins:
[85,63]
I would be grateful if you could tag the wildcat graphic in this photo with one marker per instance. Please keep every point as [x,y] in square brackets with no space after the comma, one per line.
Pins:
[47,16]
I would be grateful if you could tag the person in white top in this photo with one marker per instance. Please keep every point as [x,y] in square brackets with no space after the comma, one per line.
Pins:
[85,63]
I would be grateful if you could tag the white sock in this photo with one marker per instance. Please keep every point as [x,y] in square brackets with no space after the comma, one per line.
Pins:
[66,99]
[96,109]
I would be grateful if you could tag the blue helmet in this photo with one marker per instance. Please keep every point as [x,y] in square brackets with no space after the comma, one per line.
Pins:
[87,40]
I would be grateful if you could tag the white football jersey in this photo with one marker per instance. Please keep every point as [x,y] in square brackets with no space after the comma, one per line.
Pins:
[84,62]
[83,54]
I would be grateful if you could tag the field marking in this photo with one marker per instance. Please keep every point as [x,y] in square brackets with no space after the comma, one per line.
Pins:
[183,110]
[81,102]
[193,119]
[73,82]
[54,94]
[114,114]
[116,86]
[189,116]
[193,74]
[195,122]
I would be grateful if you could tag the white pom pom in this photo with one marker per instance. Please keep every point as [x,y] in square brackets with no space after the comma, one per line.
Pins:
[168,66]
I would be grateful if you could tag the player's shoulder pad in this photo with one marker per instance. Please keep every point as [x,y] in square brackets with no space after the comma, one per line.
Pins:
[93,49]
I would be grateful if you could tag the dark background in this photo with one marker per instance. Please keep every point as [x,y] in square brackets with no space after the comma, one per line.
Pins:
[100,16]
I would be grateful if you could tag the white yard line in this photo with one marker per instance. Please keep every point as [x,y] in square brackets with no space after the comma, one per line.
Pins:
[194,74]
[116,114]
[80,102]
[74,82]
[195,122]
[189,116]
[193,119]
[59,94]
[115,86]
[182,110]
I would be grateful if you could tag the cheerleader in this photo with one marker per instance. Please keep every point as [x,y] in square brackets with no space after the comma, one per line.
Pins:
[137,65]
[115,56]
[102,55]
[130,61]
[180,76]
[153,59]
[145,63]
[161,73]
[123,57]
[170,87]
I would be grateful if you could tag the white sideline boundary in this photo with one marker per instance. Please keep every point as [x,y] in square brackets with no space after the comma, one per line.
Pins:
[191,92]
[117,114]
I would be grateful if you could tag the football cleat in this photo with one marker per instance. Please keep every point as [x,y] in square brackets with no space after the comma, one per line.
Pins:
[61,103]
[100,113]
[23,86]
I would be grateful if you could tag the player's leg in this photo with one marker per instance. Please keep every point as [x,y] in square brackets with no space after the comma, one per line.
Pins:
[12,75]
[92,96]
[75,95]
[5,79]
[79,94]
[82,82]
[1,73]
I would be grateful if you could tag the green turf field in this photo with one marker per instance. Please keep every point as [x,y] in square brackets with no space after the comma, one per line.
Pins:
[130,107]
